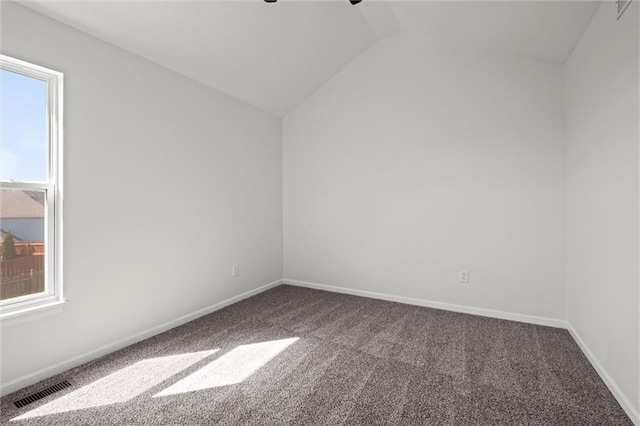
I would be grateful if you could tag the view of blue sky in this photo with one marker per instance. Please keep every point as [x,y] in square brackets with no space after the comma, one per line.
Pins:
[23,122]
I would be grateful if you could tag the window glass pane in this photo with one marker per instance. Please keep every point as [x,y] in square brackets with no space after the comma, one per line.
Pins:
[22,223]
[23,118]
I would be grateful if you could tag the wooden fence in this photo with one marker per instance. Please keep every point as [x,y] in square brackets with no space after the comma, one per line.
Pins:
[27,249]
[21,265]
[21,276]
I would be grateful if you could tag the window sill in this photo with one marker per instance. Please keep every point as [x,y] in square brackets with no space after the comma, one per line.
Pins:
[32,313]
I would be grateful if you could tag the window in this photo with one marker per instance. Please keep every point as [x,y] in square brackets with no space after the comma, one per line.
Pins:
[30,187]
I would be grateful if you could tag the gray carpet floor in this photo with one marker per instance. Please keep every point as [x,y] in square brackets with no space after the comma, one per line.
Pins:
[294,356]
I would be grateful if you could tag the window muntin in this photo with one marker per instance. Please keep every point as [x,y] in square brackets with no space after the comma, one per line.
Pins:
[30,186]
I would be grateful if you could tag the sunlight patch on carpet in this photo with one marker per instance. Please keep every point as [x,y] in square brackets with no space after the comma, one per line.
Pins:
[120,386]
[231,368]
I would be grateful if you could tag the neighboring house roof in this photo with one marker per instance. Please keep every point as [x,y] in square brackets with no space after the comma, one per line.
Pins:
[16,204]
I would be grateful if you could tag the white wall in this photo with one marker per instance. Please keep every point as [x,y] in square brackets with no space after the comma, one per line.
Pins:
[167,184]
[602,178]
[422,158]
[418,159]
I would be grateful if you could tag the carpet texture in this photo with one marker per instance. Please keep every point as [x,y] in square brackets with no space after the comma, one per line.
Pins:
[294,356]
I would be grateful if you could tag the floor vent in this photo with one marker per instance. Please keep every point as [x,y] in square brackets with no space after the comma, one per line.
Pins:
[41,394]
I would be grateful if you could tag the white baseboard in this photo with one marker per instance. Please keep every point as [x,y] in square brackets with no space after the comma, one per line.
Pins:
[550,322]
[35,377]
[615,390]
[606,378]
[21,382]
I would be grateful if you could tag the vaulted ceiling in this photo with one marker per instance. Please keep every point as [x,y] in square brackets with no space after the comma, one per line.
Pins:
[275,55]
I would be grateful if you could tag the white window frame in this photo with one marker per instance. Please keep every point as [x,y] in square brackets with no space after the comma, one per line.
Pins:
[53,295]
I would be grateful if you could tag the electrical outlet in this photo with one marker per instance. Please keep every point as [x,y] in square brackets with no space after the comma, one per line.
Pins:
[464,276]
[235,270]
